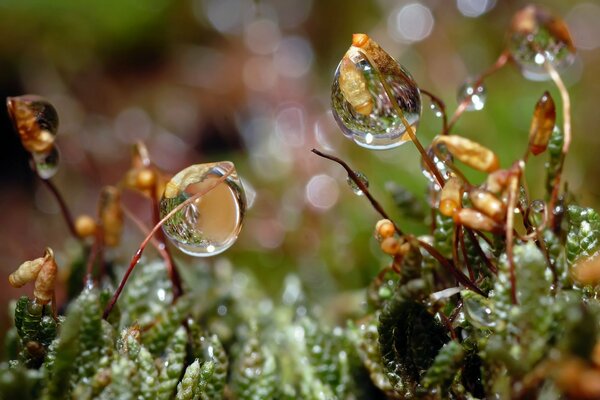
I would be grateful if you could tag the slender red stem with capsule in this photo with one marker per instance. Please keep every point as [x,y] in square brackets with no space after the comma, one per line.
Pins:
[138,253]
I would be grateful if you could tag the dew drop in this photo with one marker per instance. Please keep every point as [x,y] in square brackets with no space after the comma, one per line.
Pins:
[435,109]
[537,36]
[46,164]
[473,95]
[478,311]
[371,94]
[210,224]
[538,206]
[354,186]
[439,159]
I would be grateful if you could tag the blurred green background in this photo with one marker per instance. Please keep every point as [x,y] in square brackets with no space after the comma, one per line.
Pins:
[249,81]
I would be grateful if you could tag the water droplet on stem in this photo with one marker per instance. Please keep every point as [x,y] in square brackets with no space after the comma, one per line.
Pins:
[473,95]
[372,94]
[363,178]
[46,164]
[210,224]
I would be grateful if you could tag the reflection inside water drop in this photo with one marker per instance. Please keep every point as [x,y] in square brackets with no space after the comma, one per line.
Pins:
[472,95]
[46,164]
[363,178]
[210,224]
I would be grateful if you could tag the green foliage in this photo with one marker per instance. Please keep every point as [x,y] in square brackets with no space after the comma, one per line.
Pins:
[445,366]
[254,374]
[583,235]
[443,233]
[555,155]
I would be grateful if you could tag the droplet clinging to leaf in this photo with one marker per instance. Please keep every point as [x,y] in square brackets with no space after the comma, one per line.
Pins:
[542,124]
[371,96]
[210,224]
[535,37]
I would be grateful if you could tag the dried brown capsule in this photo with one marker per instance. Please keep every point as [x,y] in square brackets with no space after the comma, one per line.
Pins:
[497,180]
[390,246]
[111,215]
[354,87]
[35,120]
[542,124]
[469,152]
[488,204]
[451,196]
[476,220]
[46,279]
[587,272]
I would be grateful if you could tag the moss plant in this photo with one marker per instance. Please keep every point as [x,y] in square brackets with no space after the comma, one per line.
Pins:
[500,300]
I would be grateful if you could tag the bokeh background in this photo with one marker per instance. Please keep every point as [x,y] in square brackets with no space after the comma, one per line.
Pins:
[249,81]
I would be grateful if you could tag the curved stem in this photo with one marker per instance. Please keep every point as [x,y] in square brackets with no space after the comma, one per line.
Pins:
[500,62]
[442,108]
[352,175]
[92,256]
[407,126]
[156,227]
[64,209]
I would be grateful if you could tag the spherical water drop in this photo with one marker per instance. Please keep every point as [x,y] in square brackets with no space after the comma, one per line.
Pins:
[46,164]
[363,178]
[439,157]
[536,37]
[538,206]
[436,110]
[472,95]
[371,96]
[210,224]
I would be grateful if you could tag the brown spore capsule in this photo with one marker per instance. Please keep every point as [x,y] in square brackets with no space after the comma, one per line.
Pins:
[488,204]
[542,124]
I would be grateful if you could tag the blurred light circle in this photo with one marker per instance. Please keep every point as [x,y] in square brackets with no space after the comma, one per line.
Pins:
[225,16]
[411,23]
[294,57]
[290,126]
[474,8]
[259,74]
[584,25]
[262,36]
[132,124]
[292,12]
[322,192]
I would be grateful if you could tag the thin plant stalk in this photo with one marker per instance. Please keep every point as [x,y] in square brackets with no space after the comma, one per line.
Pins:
[437,101]
[64,208]
[458,274]
[566,105]
[136,258]
[413,136]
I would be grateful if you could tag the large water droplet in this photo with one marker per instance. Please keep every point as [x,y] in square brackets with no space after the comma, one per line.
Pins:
[210,224]
[536,36]
[354,186]
[473,95]
[46,164]
[371,94]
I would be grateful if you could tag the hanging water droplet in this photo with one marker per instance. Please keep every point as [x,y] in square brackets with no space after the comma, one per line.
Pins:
[537,36]
[538,206]
[46,164]
[439,159]
[36,121]
[210,224]
[372,94]
[354,186]
[478,310]
[473,95]
[436,110]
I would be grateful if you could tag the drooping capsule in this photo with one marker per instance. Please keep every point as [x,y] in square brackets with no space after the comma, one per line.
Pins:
[496,181]
[111,215]
[451,196]
[85,226]
[488,204]
[469,152]
[210,224]
[536,37]
[542,124]
[476,220]
[373,96]
[27,272]
[35,120]
[384,229]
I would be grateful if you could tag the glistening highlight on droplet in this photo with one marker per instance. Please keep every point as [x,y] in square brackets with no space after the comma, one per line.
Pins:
[536,37]
[210,224]
[371,94]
